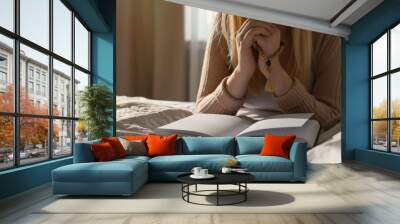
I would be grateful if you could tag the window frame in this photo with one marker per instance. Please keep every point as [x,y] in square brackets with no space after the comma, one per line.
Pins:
[388,74]
[16,114]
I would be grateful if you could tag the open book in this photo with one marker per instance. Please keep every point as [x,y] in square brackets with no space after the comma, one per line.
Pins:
[226,125]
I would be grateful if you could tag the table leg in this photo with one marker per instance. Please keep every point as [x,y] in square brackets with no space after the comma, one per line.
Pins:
[245,193]
[217,194]
[188,189]
[195,188]
[182,190]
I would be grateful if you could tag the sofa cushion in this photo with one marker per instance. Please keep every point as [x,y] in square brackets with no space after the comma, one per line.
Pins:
[257,163]
[83,152]
[132,158]
[161,145]
[103,152]
[134,147]
[185,163]
[206,145]
[116,145]
[249,145]
[277,145]
[112,171]
[135,137]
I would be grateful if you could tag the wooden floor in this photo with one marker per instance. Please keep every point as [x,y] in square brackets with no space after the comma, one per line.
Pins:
[353,182]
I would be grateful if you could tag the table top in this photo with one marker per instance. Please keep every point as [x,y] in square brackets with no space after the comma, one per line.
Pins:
[220,178]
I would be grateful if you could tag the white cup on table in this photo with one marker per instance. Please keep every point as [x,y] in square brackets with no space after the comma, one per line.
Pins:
[203,172]
[197,171]
[226,170]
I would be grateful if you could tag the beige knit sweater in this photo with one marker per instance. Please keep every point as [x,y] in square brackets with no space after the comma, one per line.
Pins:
[323,97]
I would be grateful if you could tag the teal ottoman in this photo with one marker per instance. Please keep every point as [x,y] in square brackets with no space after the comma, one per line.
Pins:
[118,177]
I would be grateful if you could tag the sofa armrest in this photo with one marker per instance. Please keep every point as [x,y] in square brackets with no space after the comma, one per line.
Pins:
[298,155]
[83,152]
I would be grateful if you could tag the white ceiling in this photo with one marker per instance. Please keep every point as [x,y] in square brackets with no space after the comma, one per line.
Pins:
[321,9]
[316,15]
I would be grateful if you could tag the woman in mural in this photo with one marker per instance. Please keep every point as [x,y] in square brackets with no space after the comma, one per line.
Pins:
[261,66]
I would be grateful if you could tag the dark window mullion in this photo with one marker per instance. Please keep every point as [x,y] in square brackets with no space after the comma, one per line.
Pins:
[389,112]
[371,132]
[73,83]
[50,81]
[16,84]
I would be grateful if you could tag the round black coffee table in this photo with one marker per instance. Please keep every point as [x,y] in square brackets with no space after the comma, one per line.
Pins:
[238,179]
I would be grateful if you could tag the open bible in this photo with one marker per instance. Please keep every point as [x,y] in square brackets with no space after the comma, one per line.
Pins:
[300,125]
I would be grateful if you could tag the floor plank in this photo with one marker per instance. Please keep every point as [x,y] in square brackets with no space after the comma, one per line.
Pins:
[378,190]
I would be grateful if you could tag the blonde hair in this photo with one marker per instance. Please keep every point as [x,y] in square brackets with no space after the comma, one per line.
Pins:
[300,57]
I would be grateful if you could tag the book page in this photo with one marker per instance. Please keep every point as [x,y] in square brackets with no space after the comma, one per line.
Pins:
[280,121]
[206,125]
[308,133]
[299,125]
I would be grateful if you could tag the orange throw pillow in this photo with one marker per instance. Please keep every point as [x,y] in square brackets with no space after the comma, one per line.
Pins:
[161,145]
[275,145]
[135,137]
[116,145]
[103,152]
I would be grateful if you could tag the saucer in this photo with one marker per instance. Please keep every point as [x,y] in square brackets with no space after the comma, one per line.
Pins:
[208,176]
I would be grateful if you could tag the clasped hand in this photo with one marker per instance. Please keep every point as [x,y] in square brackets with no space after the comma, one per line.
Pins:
[265,37]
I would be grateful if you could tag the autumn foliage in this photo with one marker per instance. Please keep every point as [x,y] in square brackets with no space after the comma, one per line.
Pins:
[33,131]
[380,127]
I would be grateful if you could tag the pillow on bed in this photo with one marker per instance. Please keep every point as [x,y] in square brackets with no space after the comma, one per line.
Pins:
[134,147]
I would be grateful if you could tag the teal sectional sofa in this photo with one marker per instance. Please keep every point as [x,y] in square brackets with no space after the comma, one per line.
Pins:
[125,176]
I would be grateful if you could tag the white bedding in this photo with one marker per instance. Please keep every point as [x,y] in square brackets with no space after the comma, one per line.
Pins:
[139,115]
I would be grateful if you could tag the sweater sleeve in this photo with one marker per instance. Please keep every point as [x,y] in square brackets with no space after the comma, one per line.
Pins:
[213,96]
[324,100]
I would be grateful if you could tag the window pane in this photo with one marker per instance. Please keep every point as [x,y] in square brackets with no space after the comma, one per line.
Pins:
[81,45]
[379,135]
[81,132]
[62,89]
[379,56]
[33,139]
[395,136]
[379,97]
[62,138]
[7,14]
[35,21]
[6,74]
[6,142]
[81,81]
[395,47]
[34,72]
[395,95]
[62,29]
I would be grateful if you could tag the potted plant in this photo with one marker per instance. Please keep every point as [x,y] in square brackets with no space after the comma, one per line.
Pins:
[96,103]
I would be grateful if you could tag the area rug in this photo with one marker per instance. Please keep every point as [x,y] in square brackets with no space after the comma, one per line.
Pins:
[166,198]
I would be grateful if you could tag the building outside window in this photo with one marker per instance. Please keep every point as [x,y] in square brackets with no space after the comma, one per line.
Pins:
[385,91]
[3,80]
[3,72]
[37,75]
[56,127]
[43,90]
[3,60]
[38,89]
[30,87]
[44,77]
[30,72]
